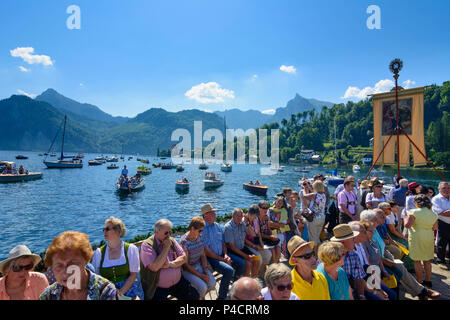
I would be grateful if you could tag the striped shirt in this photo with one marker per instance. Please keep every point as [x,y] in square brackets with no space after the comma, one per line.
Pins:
[353,267]
[194,249]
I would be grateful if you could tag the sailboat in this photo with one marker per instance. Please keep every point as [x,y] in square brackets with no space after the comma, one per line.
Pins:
[61,163]
[333,179]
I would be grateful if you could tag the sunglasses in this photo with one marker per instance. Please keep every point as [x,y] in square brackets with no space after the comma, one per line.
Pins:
[107,229]
[28,267]
[265,208]
[282,287]
[306,256]
[166,233]
[200,231]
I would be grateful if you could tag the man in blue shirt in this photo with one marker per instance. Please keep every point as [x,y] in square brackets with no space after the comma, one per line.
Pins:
[125,171]
[216,251]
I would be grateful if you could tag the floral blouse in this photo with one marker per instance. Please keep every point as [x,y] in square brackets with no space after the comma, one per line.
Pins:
[95,292]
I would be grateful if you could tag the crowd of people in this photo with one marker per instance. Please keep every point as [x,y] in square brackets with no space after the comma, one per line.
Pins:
[295,248]
[9,169]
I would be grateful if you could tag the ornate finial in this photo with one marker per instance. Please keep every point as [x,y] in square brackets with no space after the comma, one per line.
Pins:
[395,66]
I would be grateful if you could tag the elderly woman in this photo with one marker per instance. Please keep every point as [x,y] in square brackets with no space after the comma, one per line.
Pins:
[278,279]
[317,204]
[332,256]
[118,261]
[18,281]
[196,268]
[68,255]
[421,223]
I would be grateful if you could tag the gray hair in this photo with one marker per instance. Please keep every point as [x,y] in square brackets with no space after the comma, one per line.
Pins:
[355,225]
[161,223]
[442,184]
[276,271]
[403,183]
[244,286]
[368,215]
[236,211]
[422,201]
[383,205]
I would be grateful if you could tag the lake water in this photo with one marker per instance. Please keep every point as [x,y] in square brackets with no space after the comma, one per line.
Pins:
[34,212]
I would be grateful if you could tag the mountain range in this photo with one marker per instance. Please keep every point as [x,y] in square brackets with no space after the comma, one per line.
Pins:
[31,124]
[236,118]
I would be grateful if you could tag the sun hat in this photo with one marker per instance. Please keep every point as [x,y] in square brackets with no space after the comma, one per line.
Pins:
[413,185]
[376,183]
[207,207]
[295,244]
[364,184]
[343,232]
[18,252]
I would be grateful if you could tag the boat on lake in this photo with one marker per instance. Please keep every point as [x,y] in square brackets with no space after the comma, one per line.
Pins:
[95,162]
[258,189]
[131,187]
[7,178]
[226,167]
[145,161]
[21,157]
[211,181]
[112,159]
[112,166]
[144,170]
[61,163]
[182,185]
[168,166]
[203,166]
[356,168]
[180,168]
[301,169]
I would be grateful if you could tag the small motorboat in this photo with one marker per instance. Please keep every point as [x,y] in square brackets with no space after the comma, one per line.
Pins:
[7,178]
[95,162]
[112,159]
[156,165]
[132,187]
[80,156]
[180,168]
[145,161]
[112,166]
[168,166]
[40,154]
[203,166]
[52,154]
[21,157]
[258,189]
[101,158]
[144,170]
[356,168]
[182,185]
[301,169]
[211,181]
[130,158]
[226,167]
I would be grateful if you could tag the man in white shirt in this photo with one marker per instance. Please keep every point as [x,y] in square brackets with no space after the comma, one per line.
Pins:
[441,206]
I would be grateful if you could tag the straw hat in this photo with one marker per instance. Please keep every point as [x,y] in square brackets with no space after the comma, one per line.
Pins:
[343,232]
[295,244]
[207,207]
[364,184]
[18,252]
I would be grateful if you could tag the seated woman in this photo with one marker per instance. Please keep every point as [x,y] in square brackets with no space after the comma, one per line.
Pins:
[390,210]
[253,240]
[18,281]
[118,261]
[196,268]
[280,222]
[267,237]
[278,279]
[68,255]
[332,256]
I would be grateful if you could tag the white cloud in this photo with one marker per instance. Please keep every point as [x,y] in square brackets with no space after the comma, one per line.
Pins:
[29,95]
[380,86]
[270,111]
[26,54]
[288,69]
[254,77]
[81,84]
[210,92]
[23,69]
[408,83]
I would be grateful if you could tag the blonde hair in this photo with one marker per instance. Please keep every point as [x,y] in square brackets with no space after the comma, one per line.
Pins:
[276,271]
[69,240]
[318,186]
[117,225]
[330,252]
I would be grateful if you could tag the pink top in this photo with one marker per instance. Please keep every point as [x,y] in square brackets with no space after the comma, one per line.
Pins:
[167,276]
[35,284]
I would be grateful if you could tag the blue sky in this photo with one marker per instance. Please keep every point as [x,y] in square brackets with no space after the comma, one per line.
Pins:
[132,55]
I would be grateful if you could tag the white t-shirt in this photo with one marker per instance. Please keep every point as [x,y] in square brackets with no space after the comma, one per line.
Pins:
[267,296]
[370,197]
[133,258]
[391,219]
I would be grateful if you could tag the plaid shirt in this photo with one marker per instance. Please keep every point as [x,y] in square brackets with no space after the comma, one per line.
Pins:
[353,267]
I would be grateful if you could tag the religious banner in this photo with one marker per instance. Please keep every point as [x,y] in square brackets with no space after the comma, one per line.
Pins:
[410,103]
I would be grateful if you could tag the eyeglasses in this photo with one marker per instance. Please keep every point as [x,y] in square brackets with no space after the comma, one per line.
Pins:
[28,267]
[307,255]
[166,233]
[107,229]
[265,208]
[281,287]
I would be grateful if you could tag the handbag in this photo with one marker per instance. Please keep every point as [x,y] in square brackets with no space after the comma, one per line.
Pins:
[309,216]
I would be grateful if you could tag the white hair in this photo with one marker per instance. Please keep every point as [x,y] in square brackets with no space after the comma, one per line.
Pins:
[383,205]
[161,223]
[368,215]
[403,183]
[355,225]
[442,184]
